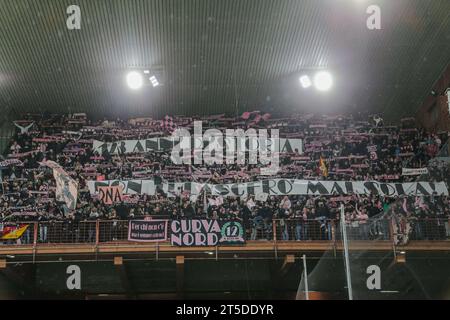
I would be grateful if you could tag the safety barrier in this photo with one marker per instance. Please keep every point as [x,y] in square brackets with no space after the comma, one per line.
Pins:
[107,231]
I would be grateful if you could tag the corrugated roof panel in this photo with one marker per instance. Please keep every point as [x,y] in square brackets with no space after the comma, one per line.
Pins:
[219,55]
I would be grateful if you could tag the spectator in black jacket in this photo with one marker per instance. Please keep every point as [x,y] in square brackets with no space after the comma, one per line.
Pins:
[324,215]
[188,210]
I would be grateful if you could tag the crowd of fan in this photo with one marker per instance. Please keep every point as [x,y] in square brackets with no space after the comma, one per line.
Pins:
[354,148]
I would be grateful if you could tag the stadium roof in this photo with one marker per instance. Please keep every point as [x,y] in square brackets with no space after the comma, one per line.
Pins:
[216,56]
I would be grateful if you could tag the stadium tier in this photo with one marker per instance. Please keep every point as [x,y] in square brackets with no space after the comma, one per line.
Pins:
[225,149]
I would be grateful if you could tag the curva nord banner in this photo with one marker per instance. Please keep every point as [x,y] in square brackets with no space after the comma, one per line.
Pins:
[277,187]
[206,232]
[147,230]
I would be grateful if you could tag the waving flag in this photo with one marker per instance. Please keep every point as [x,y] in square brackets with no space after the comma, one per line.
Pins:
[14,232]
[249,114]
[266,116]
[246,115]
[378,121]
[22,128]
[66,187]
[323,167]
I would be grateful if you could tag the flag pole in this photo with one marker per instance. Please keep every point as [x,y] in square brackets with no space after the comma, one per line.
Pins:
[305,271]
[346,262]
[205,202]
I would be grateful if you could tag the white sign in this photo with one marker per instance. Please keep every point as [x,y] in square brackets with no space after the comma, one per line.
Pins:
[414,171]
[261,197]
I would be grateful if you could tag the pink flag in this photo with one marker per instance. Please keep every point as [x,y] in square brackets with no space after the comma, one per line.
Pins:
[246,115]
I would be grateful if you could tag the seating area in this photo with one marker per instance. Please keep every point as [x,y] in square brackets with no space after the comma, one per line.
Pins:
[333,148]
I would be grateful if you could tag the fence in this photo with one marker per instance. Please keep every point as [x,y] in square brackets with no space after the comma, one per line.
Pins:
[107,231]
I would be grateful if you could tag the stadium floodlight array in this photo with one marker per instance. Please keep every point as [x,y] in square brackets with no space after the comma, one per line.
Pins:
[135,79]
[322,80]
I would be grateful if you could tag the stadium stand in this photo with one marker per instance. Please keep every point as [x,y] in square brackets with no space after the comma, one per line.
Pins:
[334,148]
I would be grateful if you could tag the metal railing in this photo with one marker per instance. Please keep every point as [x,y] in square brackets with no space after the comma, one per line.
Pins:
[304,230]
[115,230]
[110,231]
[67,232]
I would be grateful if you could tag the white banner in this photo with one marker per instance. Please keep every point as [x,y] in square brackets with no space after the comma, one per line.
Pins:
[414,171]
[166,144]
[279,187]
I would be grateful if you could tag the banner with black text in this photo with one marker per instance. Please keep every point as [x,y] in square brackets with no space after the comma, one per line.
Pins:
[147,230]
[277,187]
[206,232]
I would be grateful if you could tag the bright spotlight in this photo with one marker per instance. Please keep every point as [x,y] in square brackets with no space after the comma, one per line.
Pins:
[305,81]
[134,80]
[323,81]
